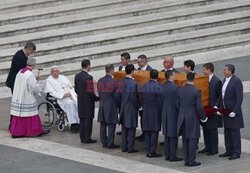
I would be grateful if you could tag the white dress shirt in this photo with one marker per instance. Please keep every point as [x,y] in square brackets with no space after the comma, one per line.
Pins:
[210,77]
[123,67]
[224,87]
[168,69]
[144,68]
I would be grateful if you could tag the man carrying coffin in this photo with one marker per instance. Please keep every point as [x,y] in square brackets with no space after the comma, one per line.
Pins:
[168,64]
[127,95]
[210,129]
[59,87]
[169,116]
[232,97]
[107,115]
[190,107]
[151,119]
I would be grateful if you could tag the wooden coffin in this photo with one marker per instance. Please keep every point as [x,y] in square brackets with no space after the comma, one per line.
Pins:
[141,77]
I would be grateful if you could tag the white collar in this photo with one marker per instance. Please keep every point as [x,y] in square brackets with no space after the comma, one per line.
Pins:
[129,76]
[86,71]
[210,77]
[144,68]
[169,69]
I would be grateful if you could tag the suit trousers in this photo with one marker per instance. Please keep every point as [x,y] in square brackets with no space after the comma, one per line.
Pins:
[170,147]
[107,140]
[128,137]
[189,150]
[232,141]
[211,140]
[151,141]
[85,129]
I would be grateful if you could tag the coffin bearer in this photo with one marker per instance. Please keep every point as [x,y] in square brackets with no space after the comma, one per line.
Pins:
[59,87]
[151,119]
[190,107]
[210,129]
[168,64]
[84,88]
[232,97]
[127,95]
[125,59]
[107,115]
[169,116]
[189,66]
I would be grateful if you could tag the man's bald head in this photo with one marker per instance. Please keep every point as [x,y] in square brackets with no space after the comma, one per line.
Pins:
[55,71]
[168,62]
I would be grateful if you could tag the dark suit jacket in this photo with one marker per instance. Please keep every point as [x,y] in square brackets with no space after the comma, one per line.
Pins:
[190,107]
[214,121]
[108,107]
[151,104]
[147,69]
[169,109]
[232,101]
[120,68]
[176,71]
[127,94]
[19,61]
[86,97]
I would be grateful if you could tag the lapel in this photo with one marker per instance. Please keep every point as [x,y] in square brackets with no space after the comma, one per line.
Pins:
[228,85]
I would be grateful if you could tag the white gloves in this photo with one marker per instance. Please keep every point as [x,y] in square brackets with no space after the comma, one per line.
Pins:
[215,107]
[232,115]
[203,121]
[218,113]
[140,109]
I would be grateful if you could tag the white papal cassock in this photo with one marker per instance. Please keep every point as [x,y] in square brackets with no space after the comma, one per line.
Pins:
[57,87]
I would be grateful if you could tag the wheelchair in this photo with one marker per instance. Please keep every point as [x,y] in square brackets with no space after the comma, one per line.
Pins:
[51,114]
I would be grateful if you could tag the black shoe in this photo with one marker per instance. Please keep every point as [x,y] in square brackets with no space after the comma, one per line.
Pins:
[203,151]
[113,146]
[194,164]
[133,151]
[186,164]
[233,157]
[211,153]
[90,141]
[175,159]
[124,150]
[226,154]
[13,136]
[166,158]
[161,143]
[153,155]
[45,132]
[104,146]
[118,133]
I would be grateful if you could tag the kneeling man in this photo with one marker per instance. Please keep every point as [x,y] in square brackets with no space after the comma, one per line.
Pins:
[59,86]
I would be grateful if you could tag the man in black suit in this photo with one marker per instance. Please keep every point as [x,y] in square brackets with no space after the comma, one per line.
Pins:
[84,88]
[127,94]
[142,63]
[210,129]
[151,119]
[169,116]
[168,64]
[190,107]
[125,59]
[107,115]
[19,62]
[232,97]
[189,66]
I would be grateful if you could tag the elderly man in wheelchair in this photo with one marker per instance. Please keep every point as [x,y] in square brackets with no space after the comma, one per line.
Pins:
[60,88]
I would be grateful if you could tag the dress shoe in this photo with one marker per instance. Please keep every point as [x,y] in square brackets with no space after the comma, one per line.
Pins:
[113,146]
[166,158]
[211,153]
[203,151]
[175,159]
[194,164]
[124,150]
[90,141]
[133,151]
[153,155]
[226,154]
[44,133]
[186,164]
[104,146]
[233,157]
[161,143]
[14,136]
[118,133]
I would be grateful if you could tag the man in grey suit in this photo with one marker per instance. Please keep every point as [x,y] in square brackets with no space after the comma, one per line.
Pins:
[210,129]
[107,115]
[190,108]
[127,95]
[151,119]
[169,116]
[232,97]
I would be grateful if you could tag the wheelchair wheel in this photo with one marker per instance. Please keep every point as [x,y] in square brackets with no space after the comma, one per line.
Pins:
[47,114]
[61,126]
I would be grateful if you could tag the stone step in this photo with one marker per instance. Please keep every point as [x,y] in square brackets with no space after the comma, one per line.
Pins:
[133,34]
[81,7]
[199,58]
[75,20]
[153,54]
[20,5]
[118,25]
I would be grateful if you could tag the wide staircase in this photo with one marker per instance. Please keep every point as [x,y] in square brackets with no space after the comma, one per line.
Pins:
[67,31]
